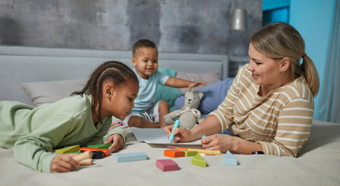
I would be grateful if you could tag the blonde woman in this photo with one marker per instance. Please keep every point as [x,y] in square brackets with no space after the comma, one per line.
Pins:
[269,107]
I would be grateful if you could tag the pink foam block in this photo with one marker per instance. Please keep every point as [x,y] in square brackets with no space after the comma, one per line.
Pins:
[166,165]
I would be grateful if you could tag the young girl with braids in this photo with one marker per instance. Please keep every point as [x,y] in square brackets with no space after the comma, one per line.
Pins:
[83,119]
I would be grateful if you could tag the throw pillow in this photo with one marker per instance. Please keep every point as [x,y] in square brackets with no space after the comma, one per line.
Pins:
[213,96]
[210,78]
[51,91]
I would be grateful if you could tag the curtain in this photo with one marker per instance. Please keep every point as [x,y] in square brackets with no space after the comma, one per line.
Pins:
[329,107]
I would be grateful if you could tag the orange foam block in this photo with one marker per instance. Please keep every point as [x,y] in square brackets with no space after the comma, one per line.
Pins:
[166,165]
[174,153]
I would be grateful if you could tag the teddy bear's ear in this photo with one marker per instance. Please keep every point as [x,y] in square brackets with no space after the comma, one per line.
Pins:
[200,94]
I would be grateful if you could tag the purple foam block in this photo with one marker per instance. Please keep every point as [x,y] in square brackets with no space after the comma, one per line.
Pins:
[166,165]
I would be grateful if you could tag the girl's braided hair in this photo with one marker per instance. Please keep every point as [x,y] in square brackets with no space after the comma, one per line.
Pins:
[116,71]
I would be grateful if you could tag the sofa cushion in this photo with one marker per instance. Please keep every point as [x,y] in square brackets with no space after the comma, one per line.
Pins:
[213,96]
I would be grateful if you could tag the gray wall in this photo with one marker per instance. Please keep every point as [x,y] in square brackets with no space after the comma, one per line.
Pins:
[198,26]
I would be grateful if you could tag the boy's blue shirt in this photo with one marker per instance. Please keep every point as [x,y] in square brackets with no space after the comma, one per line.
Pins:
[147,91]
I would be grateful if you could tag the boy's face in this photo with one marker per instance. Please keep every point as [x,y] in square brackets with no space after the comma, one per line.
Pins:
[145,61]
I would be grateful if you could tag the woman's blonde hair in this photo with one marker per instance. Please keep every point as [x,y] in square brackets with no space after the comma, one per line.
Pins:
[279,40]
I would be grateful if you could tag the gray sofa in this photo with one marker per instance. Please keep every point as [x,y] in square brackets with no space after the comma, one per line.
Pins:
[318,162]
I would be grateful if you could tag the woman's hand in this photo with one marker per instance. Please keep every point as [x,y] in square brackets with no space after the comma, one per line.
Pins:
[64,163]
[181,134]
[221,142]
[117,142]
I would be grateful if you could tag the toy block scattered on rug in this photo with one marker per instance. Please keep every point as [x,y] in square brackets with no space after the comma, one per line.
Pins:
[166,165]
[229,159]
[130,157]
[100,146]
[198,161]
[107,152]
[174,153]
[66,150]
[98,154]
[84,158]
[188,153]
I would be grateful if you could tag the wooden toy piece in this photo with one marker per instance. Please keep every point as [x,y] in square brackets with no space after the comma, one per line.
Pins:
[166,165]
[83,156]
[98,154]
[229,159]
[199,161]
[174,153]
[66,150]
[106,151]
[88,161]
[130,157]
[100,146]
[188,153]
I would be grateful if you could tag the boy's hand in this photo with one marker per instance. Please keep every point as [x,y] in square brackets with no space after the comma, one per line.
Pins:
[196,83]
[64,163]
[117,142]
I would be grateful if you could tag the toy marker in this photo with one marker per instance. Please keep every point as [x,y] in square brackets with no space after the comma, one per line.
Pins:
[229,159]
[175,126]
[200,151]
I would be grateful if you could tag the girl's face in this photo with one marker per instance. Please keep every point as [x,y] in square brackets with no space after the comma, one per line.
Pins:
[265,70]
[145,61]
[118,101]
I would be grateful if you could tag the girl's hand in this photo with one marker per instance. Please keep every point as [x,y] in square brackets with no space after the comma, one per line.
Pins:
[117,142]
[196,83]
[219,142]
[181,134]
[64,163]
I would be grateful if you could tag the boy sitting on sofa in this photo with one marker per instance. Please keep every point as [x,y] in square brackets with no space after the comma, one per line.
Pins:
[147,113]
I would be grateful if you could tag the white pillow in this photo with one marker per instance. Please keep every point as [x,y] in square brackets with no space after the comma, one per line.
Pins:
[210,78]
[51,91]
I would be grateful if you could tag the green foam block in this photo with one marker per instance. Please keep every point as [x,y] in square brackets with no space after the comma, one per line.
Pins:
[198,161]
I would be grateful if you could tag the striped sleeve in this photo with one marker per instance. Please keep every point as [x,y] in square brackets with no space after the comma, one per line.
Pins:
[294,125]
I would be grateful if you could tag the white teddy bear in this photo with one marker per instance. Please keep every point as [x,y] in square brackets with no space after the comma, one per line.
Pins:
[189,116]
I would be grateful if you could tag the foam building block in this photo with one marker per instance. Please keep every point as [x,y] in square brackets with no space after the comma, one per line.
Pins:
[188,153]
[100,146]
[198,161]
[130,157]
[106,151]
[166,165]
[229,159]
[66,150]
[174,153]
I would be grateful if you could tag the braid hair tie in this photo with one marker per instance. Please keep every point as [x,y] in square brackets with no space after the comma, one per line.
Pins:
[304,55]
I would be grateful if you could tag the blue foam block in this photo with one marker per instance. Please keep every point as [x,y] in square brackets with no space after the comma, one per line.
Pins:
[130,157]
[229,159]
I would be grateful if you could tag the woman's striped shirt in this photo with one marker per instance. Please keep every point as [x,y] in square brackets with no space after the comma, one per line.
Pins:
[280,121]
